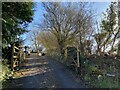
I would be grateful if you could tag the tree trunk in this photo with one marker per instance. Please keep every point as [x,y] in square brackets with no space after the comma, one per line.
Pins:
[61,47]
[118,52]
[114,40]
[98,50]
[103,48]
[78,61]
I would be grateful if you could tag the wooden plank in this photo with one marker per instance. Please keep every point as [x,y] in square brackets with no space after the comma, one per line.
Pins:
[20,46]
[15,63]
[15,52]
[16,47]
[15,57]
[12,62]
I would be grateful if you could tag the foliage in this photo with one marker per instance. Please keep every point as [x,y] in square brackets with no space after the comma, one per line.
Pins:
[15,17]
[49,41]
[70,25]
[109,27]
[6,73]
[96,72]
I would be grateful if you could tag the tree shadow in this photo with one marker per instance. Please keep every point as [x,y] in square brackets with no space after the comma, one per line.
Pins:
[38,79]
[35,74]
[34,81]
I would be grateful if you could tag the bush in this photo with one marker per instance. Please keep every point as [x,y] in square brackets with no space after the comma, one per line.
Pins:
[5,72]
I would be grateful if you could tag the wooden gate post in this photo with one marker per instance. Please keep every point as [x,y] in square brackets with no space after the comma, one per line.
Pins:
[12,54]
[24,55]
[78,60]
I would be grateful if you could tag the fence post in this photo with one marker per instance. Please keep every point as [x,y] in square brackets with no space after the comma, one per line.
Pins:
[78,61]
[12,54]
[24,55]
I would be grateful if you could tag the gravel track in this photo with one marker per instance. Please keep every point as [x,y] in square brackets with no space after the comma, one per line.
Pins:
[43,72]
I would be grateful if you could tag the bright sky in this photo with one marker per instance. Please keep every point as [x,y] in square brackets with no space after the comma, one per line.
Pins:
[99,7]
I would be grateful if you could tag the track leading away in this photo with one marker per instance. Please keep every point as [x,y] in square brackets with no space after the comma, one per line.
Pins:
[43,72]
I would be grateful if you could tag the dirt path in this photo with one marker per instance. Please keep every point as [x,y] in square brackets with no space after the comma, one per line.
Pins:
[43,72]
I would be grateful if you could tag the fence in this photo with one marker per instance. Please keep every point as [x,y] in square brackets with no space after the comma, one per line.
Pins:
[18,56]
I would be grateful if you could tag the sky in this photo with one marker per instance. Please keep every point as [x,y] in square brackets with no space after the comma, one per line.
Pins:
[99,8]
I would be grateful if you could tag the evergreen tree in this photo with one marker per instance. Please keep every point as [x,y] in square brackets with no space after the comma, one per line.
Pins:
[15,17]
[109,25]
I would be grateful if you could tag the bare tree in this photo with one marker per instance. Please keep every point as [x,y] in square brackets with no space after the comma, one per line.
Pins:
[48,40]
[66,21]
[35,38]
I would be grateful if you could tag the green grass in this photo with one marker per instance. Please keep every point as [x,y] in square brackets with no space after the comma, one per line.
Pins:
[103,82]
[107,83]
[100,66]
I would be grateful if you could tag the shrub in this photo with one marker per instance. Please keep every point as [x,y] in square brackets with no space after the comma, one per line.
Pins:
[5,72]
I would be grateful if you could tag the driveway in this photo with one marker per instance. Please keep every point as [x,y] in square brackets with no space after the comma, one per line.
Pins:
[43,72]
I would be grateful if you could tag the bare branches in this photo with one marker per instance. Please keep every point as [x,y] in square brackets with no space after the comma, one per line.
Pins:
[66,20]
